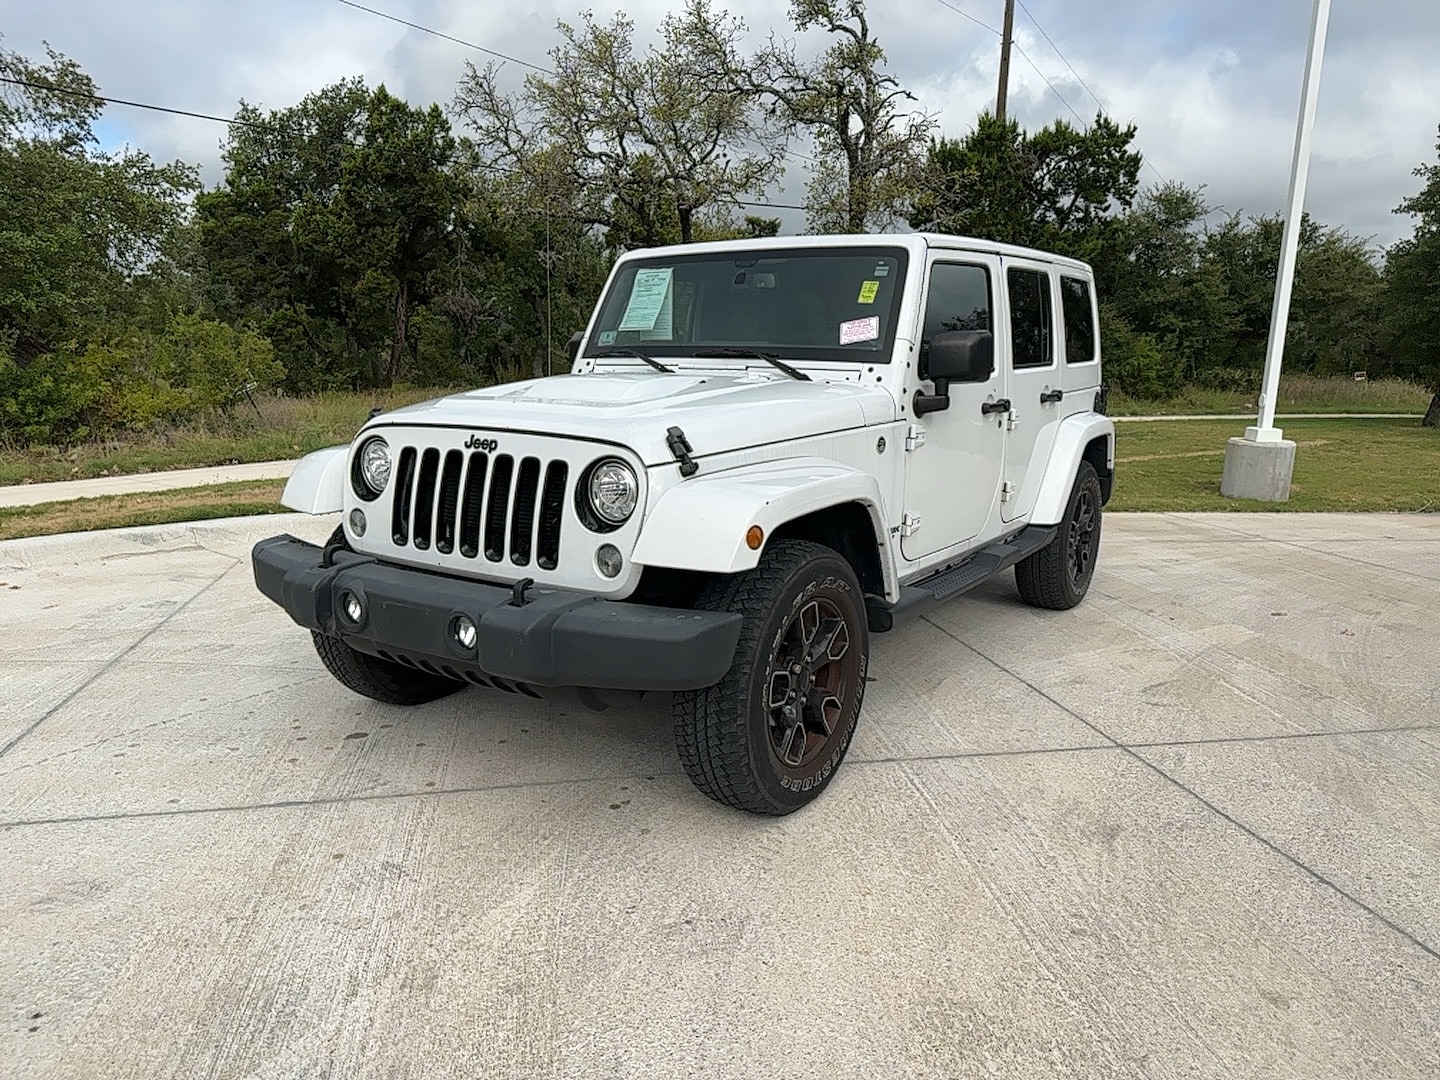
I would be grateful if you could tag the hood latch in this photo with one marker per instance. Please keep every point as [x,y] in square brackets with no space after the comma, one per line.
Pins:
[680,447]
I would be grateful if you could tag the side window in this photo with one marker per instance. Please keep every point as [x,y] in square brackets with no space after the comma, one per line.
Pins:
[1079,320]
[1030,318]
[959,299]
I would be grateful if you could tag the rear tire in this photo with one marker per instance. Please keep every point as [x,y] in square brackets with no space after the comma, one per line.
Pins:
[382,680]
[770,735]
[1058,575]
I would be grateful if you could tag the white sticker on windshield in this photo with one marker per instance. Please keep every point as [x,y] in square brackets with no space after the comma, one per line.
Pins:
[607,337]
[860,330]
[649,300]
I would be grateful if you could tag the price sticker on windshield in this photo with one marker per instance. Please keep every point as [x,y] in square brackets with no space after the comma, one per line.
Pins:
[857,330]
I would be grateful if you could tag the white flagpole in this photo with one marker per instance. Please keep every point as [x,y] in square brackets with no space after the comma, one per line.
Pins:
[1265,429]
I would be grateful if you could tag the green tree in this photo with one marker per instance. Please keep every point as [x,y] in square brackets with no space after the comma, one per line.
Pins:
[871,148]
[1058,189]
[79,224]
[336,220]
[1412,274]
[643,144]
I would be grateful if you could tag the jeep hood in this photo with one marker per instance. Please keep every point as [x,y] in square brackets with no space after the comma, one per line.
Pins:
[718,412]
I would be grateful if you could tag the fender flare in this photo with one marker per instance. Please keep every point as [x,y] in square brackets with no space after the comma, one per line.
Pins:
[701,524]
[317,483]
[1074,435]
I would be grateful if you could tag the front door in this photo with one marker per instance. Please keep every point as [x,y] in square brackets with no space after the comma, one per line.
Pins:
[1032,372]
[952,479]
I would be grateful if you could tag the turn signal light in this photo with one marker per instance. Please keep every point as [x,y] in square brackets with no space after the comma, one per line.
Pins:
[754,537]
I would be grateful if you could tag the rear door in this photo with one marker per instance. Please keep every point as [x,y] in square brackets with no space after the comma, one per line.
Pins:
[1032,373]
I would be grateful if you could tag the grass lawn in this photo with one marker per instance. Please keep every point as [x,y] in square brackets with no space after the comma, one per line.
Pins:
[1352,465]
[1339,465]
[285,428]
[1298,394]
[149,508]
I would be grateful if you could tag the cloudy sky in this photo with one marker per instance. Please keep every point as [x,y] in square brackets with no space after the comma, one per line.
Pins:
[1212,84]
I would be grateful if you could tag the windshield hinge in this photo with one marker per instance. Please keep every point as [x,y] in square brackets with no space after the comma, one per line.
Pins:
[909,524]
[914,437]
[1007,491]
[680,447]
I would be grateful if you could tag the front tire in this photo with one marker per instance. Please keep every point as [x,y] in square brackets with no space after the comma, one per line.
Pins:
[372,677]
[770,735]
[1058,575]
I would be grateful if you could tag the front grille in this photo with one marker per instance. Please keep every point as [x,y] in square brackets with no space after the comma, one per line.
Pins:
[481,505]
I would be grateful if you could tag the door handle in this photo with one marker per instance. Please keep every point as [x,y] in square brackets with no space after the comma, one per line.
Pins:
[1003,405]
[1051,396]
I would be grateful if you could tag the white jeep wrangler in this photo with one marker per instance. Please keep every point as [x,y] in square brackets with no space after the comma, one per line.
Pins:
[766,451]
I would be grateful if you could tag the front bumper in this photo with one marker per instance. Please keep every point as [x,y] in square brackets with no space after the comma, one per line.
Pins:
[556,638]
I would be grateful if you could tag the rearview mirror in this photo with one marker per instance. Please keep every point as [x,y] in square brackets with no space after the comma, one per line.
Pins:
[966,356]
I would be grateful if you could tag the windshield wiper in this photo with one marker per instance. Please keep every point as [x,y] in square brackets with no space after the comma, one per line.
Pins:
[638,355]
[773,361]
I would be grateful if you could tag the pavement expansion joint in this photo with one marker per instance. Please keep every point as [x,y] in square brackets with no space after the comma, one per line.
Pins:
[117,658]
[1255,835]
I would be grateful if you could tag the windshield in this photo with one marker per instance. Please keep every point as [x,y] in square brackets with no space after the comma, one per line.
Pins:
[801,304]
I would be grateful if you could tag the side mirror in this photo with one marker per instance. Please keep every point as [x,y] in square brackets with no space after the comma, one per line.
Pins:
[966,356]
[572,347]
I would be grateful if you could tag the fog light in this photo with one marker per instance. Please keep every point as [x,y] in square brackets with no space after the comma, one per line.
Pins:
[357,521]
[353,608]
[608,560]
[463,631]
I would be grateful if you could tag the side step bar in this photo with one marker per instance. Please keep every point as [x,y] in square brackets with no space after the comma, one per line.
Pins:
[955,580]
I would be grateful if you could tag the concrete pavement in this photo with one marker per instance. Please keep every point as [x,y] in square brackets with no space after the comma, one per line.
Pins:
[1190,828]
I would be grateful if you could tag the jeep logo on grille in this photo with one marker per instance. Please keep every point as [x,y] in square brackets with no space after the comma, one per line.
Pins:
[475,442]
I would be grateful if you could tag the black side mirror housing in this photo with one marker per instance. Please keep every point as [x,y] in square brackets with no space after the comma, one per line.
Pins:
[572,347]
[966,356]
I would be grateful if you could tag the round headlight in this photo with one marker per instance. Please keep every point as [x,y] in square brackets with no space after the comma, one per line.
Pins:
[614,491]
[372,468]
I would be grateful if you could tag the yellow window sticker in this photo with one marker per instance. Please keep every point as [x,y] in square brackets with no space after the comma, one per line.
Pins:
[868,291]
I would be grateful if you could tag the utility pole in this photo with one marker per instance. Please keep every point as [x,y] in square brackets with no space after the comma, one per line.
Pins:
[1003,93]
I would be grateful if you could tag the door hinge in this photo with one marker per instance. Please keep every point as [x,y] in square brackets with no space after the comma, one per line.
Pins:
[914,438]
[909,524]
[1007,490]
[1012,420]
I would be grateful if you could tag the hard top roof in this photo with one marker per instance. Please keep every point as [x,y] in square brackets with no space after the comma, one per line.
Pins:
[916,243]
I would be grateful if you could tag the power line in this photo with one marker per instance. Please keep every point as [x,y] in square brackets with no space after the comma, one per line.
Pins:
[262,126]
[796,155]
[85,96]
[1036,68]
[967,15]
[447,37]
[1058,53]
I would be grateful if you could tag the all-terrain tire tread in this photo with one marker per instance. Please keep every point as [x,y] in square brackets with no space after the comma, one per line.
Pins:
[709,735]
[372,677]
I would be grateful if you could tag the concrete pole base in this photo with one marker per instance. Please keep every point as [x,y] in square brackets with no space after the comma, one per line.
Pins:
[1258,470]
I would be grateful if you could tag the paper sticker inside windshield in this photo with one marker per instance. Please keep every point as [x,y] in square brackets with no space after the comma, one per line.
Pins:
[607,337]
[868,289]
[650,302]
[860,330]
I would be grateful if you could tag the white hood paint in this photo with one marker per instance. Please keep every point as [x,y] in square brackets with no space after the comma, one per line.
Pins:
[718,412]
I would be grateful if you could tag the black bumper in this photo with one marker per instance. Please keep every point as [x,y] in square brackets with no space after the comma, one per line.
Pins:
[556,639]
